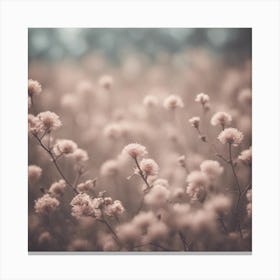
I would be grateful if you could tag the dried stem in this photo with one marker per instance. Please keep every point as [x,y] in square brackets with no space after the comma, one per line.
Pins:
[54,160]
[111,230]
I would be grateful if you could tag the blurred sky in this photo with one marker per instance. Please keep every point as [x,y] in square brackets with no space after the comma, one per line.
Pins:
[114,43]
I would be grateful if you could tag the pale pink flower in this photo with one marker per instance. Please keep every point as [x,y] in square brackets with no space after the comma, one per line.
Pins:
[231,136]
[221,118]
[172,102]
[109,168]
[157,196]
[57,188]
[113,131]
[46,204]
[162,182]
[194,121]
[202,98]
[33,124]
[80,155]
[83,206]
[202,220]
[106,82]
[65,146]
[181,214]
[150,101]
[211,168]
[197,179]
[197,184]
[128,232]
[49,121]
[34,173]
[115,208]
[149,167]
[34,88]
[218,203]
[156,231]
[246,156]
[86,186]
[196,192]
[135,150]
[144,219]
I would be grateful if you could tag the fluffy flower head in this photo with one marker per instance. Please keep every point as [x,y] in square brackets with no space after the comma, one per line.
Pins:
[172,102]
[246,156]
[211,168]
[46,204]
[221,118]
[57,188]
[65,146]
[34,88]
[231,136]
[135,150]
[194,121]
[49,121]
[149,167]
[34,173]
[83,206]
[202,98]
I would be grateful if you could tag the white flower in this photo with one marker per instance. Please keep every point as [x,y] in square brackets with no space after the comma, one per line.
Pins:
[135,150]
[57,188]
[115,208]
[83,206]
[149,167]
[194,121]
[80,155]
[211,168]
[221,118]
[172,102]
[86,186]
[109,168]
[65,146]
[231,136]
[34,88]
[202,98]
[157,196]
[46,204]
[34,173]
[246,156]
[48,121]
[198,179]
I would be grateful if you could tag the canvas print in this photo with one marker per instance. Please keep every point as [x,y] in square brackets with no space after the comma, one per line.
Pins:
[139,140]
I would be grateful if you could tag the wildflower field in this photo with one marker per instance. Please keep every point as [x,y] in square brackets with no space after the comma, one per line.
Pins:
[146,154]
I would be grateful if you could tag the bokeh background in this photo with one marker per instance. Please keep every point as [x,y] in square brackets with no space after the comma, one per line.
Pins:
[70,64]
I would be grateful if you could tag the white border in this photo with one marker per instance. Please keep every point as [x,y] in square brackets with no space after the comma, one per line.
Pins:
[17,16]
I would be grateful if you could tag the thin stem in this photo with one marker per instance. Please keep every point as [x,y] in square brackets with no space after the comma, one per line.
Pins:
[111,230]
[184,242]
[55,163]
[223,224]
[238,188]
[141,173]
[233,170]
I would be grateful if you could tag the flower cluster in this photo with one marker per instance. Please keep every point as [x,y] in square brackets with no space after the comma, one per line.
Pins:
[46,204]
